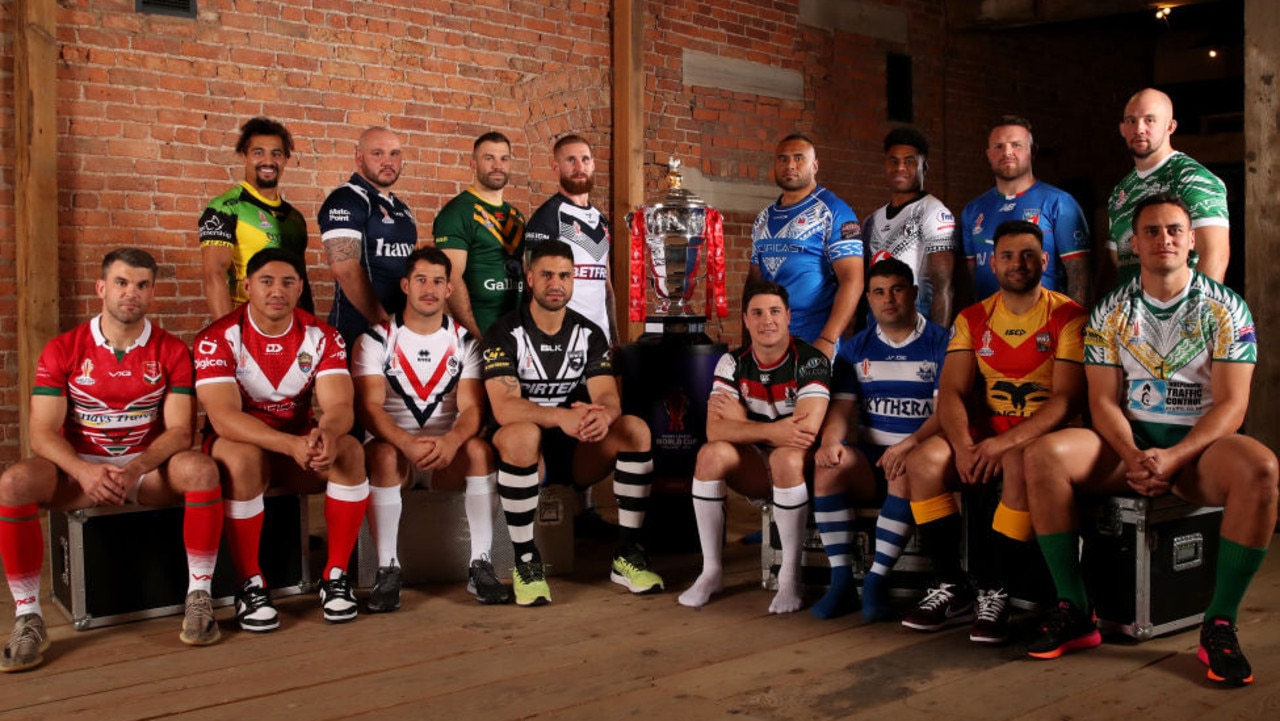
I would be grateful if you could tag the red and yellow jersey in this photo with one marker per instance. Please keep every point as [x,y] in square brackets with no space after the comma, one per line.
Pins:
[1016,353]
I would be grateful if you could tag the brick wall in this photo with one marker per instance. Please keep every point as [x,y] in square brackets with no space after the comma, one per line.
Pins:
[149,108]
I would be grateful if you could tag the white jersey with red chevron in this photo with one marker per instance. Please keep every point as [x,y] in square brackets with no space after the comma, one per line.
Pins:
[276,374]
[115,399]
[421,371]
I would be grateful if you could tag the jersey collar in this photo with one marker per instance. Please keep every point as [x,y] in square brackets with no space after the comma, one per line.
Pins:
[95,326]
[919,330]
[358,179]
[254,192]
[1144,174]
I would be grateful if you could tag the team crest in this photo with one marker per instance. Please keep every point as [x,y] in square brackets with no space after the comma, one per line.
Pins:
[1042,342]
[454,365]
[927,372]
[1031,215]
[151,372]
[305,361]
[773,263]
[86,374]
[577,360]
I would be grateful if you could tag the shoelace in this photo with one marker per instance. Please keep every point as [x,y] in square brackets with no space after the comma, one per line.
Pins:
[339,587]
[485,574]
[1057,620]
[254,597]
[26,633]
[531,572]
[991,605]
[1222,638]
[937,598]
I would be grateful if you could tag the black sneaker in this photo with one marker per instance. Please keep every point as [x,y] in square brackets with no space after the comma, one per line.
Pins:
[254,611]
[947,605]
[337,600]
[385,596]
[483,582]
[992,622]
[1220,651]
[1065,628]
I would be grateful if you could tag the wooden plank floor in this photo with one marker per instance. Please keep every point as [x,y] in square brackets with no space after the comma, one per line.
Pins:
[600,653]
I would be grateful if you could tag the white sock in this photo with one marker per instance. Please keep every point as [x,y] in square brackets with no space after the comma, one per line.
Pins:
[383,515]
[26,594]
[708,508]
[478,501]
[790,514]
[200,571]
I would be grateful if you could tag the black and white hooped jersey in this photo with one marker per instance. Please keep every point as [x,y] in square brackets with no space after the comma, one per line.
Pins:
[550,367]
[421,371]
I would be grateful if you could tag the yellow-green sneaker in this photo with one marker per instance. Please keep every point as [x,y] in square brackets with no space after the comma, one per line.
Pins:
[631,569]
[529,581]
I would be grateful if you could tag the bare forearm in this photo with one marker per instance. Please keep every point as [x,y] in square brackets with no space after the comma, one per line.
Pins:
[738,431]
[359,292]
[460,309]
[217,294]
[243,428]
[168,443]
[1078,273]
[842,310]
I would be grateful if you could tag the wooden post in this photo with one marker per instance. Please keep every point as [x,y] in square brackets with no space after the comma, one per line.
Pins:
[628,145]
[1262,207]
[35,187]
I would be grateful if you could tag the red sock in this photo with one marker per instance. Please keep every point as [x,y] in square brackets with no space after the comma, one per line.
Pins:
[201,531]
[343,519]
[22,548]
[244,536]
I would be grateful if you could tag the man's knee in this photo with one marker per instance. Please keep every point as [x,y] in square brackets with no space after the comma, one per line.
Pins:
[518,443]
[786,465]
[715,458]
[479,456]
[633,432]
[25,482]
[192,471]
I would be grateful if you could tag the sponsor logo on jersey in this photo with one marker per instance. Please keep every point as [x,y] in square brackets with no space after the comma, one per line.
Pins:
[550,389]
[339,215]
[590,272]
[424,355]
[206,347]
[86,374]
[492,354]
[305,361]
[213,227]
[545,348]
[203,363]
[850,230]
[120,374]
[1007,207]
[880,255]
[1042,342]
[274,348]
[1015,332]
[496,284]
[384,249]
[151,372]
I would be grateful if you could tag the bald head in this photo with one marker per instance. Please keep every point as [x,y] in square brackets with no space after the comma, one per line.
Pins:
[1146,126]
[378,158]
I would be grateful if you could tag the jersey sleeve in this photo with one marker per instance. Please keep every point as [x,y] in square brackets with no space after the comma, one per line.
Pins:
[1070,229]
[1206,196]
[813,374]
[845,237]
[961,334]
[1071,334]
[844,375]
[52,369]
[1235,338]
[366,357]
[178,366]
[966,232]
[471,365]
[450,228]
[217,226]
[599,355]
[344,214]
[498,355]
[938,232]
[725,380]
[544,225]
[215,359]
[333,359]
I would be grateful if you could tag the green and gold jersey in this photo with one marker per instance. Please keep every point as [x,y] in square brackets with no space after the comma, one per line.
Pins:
[492,236]
[1202,191]
[244,221]
[1167,352]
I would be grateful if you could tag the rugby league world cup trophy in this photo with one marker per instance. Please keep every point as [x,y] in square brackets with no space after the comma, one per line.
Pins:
[677,245]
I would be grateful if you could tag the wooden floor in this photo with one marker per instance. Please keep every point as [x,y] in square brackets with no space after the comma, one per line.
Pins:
[600,653]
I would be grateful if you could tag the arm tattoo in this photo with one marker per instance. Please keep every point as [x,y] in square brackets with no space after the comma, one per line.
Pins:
[340,249]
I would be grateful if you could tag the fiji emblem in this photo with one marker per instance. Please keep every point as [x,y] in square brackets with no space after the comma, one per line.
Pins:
[305,361]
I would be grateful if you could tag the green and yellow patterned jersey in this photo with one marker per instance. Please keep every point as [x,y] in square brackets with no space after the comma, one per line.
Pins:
[492,236]
[1167,352]
[1201,190]
[244,221]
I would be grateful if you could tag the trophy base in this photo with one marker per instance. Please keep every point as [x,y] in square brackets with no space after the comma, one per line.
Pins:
[676,325]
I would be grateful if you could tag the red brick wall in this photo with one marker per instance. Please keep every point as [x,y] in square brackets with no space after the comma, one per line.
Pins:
[149,109]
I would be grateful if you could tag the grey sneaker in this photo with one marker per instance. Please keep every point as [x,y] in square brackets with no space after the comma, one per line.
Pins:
[26,644]
[483,582]
[385,596]
[199,627]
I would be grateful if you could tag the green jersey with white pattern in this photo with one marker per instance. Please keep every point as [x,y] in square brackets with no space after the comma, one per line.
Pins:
[1202,191]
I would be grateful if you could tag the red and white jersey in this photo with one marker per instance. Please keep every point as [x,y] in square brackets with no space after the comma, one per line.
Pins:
[115,399]
[276,374]
[421,371]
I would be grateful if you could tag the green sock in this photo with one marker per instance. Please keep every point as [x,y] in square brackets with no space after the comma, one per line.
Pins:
[1236,566]
[1061,552]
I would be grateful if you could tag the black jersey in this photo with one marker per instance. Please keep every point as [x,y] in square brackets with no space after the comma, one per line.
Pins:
[550,367]
[586,230]
[770,394]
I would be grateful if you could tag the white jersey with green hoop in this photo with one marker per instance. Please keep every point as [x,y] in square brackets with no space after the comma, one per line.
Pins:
[1167,351]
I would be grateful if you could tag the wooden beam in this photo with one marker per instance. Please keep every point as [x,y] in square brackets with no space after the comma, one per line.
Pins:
[35,187]
[1262,210]
[628,145]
